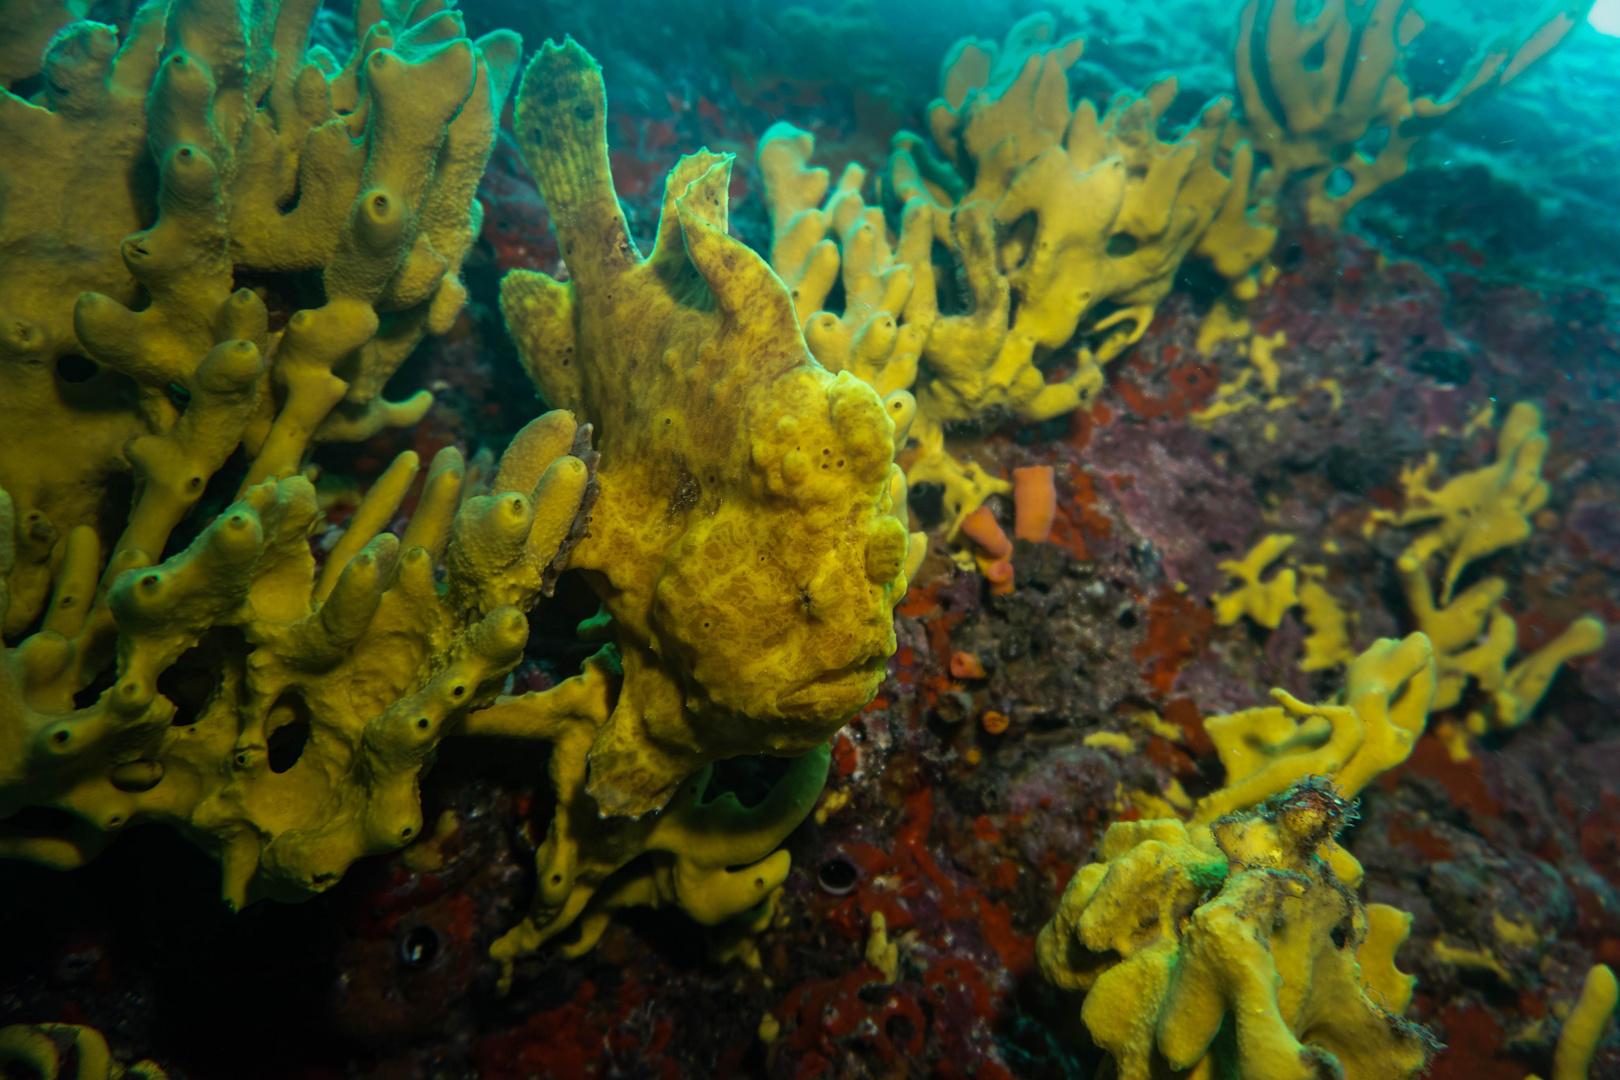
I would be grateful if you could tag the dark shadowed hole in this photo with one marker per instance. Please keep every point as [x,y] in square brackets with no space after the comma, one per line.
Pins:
[750,777]
[1023,232]
[1339,183]
[1444,366]
[1198,278]
[1121,245]
[419,948]
[74,368]
[837,876]
[283,293]
[188,682]
[292,200]
[87,697]
[27,88]
[1373,142]
[927,501]
[873,993]
[835,298]
[289,731]
[954,297]
[1315,56]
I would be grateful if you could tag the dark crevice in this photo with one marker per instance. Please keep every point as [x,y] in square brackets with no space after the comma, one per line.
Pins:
[289,725]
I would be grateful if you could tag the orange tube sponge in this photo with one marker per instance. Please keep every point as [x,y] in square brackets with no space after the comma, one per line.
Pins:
[1000,573]
[964,665]
[1035,497]
[982,528]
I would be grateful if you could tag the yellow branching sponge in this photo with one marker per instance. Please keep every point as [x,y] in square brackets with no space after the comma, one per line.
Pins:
[1067,228]
[271,160]
[713,859]
[1386,700]
[280,716]
[1478,513]
[1469,517]
[750,540]
[1328,644]
[278,709]
[27,28]
[1263,601]
[1583,1028]
[1327,99]
[819,239]
[1233,949]
[1097,211]
[48,1051]
[298,707]
[890,301]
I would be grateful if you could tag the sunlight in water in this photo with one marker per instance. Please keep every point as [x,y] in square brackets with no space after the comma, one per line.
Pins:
[1605,17]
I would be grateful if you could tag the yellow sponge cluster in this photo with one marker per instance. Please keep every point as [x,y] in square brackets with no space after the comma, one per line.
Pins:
[1470,517]
[299,705]
[271,161]
[714,859]
[1239,927]
[1251,914]
[1066,227]
[745,525]
[1327,100]
[1266,600]
[1583,1028]
[822,239]
[1388,692]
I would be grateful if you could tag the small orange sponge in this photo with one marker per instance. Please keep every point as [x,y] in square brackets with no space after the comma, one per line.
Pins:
[1000,573]
[1035,497]
[982,528]
[964,665]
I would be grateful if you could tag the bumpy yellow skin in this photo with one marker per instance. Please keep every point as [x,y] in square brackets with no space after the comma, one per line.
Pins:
[749,541]
[381,157]
[1177,931]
